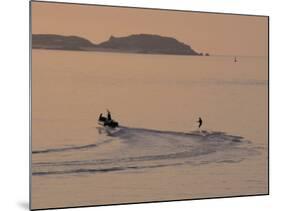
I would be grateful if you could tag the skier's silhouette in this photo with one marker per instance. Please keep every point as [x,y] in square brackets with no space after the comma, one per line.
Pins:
[200,122]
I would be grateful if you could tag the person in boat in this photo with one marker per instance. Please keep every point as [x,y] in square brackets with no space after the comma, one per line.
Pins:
[102,118]
[200,122]
[108,115]
[107,121]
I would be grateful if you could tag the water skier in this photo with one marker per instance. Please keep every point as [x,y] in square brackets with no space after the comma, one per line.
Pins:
[200,122]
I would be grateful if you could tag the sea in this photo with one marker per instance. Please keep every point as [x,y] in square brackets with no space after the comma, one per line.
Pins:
[158,153]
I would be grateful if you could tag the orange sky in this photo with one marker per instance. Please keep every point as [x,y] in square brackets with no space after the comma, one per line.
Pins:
[205,32]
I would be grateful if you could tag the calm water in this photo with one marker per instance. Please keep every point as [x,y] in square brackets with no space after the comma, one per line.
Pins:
[158,152]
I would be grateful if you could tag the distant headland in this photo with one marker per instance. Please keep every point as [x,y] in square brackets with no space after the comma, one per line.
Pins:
[138,43]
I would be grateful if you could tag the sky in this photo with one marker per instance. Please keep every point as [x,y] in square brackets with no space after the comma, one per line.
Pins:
[217,34]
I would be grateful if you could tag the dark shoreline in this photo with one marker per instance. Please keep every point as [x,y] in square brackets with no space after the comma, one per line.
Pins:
[140,44]
[114,51]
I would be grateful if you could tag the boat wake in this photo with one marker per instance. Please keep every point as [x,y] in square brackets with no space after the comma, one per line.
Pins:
[139,149]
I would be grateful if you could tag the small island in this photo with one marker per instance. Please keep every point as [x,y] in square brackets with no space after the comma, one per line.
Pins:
[138,43]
